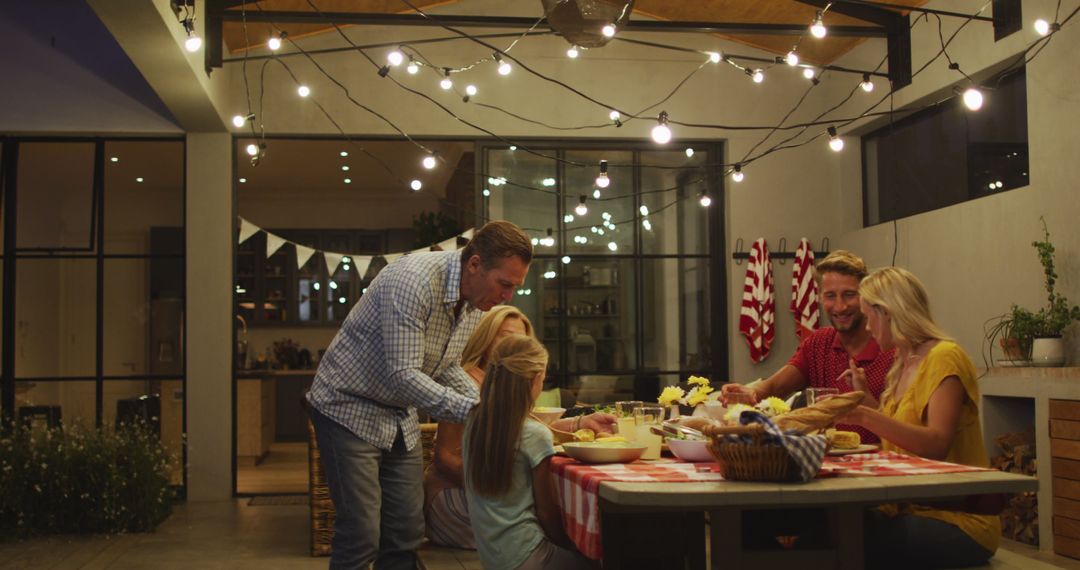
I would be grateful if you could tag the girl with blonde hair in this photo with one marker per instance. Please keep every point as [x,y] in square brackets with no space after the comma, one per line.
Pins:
[511,494]
[929,408]
[446,511]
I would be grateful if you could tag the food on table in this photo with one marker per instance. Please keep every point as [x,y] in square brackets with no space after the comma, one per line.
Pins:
[585,434]
[820,415]
[610,438]
[843,439]
[696,422]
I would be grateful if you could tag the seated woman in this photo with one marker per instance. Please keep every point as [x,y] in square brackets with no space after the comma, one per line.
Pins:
[446,511]
[929,408]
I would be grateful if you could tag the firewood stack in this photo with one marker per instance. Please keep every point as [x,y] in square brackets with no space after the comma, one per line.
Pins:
[1020,519]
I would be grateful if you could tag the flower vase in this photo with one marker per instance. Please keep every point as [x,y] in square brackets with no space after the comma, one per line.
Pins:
[674,413]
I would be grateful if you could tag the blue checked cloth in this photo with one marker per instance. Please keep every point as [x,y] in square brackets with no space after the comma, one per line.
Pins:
[399,349]
[808,451]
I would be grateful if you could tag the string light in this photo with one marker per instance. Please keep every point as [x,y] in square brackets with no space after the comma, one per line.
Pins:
[715,56]
[689,152]
[1042,27]
[973,99]
[647,225]
[737,174]
[808,72]
[429,161]
[615,118]
[756,74]
[412,68]
[602,179]
[303,90]
[344,153]
[612,246]
[504,67]
[568,218]
[193,41]
[345,168]
[866,84]
[548,241]
[115,159]
[818,29]
[608,30]
[792,58]
[395,58]
[835,142]
[416,185]
[572,53]
[446,82]
[596,193]
[348,180]
[581,208]
[704,199]
[243,180]
[661,133]
[252,149]
[470,90]
[566,260]
[240,120]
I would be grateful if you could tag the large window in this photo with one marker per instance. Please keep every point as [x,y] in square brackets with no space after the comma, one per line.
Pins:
[95,283]
[948,154]
[624,296]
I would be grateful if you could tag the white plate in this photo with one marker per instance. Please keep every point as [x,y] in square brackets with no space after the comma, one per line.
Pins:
[589,452]
[863,448]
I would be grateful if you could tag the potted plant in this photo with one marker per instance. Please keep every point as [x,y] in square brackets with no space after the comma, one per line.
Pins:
[1036,336]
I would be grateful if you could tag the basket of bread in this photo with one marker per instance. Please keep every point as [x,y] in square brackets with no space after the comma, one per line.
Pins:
[768,442]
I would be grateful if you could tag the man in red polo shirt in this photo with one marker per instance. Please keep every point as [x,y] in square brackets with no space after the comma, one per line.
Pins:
[843,356]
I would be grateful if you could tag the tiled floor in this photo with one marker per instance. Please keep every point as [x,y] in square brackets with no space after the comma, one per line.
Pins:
[283,471]
[233,534]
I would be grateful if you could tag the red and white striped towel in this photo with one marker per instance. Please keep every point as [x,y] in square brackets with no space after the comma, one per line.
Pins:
[804,291]
[758,303]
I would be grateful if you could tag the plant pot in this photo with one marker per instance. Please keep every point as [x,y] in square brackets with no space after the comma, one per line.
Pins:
[1048,352]
[1011,349]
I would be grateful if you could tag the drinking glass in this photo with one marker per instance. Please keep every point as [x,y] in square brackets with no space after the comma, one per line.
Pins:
[815,395]
[733,398]
[624,411]
[645,418]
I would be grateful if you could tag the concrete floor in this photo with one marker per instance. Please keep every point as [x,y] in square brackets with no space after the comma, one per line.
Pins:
[232,534]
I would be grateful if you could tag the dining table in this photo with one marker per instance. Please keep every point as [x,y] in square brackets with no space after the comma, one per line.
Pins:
[610,511]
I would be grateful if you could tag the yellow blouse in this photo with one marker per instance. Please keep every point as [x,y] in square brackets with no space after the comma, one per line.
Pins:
[944,360]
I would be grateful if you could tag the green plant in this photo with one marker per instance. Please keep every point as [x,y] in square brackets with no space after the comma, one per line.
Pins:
[432,228]
[74,480]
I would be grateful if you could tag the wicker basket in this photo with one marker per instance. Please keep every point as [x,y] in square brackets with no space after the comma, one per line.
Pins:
[322,508]
[755,461]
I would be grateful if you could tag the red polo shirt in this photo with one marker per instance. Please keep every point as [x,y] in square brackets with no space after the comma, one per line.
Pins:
[822,359]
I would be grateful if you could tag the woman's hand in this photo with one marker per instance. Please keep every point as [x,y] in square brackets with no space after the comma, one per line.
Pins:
[733,391]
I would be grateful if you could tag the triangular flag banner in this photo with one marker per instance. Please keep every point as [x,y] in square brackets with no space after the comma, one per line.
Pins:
[468,234]
[362,263]
[391,257]
[420,250]
[449,245]
[273,243]
[332,261]
[302,255]
[247,229]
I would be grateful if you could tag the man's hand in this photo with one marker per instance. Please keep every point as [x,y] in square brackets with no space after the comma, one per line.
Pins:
[733,393]
[599,422]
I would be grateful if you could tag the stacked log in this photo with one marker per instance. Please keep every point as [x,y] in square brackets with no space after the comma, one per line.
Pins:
[1020,519]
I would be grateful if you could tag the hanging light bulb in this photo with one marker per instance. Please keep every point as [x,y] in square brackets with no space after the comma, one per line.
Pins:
[416,185]
[303,91]
[835,142]
[689,152]
[737,174]
[504,67]
[973,99]
[238,121]
[602,179]
[581,209]
[429,161]
[572,53]
[274,43]
[608,30]
[661,133]
[395,58]
[612,246]
[808,72]
[715,56]
[818,29]
[792,58]
[756,74]
[446,82]
[193,41]
[470,90]
[412,68]
[596,193]
[866,84]
[566,260]
[548,241]
[705,200]
[1042,27]
[252,149]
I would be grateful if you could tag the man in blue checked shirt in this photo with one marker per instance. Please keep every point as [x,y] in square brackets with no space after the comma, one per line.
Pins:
[399,350]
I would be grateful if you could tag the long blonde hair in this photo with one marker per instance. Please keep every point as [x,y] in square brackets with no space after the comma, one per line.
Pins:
[478,350]
[494,426]
[901,295]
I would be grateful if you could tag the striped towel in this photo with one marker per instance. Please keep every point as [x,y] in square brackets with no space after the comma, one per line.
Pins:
[758,303]
[807,451]
[804,291]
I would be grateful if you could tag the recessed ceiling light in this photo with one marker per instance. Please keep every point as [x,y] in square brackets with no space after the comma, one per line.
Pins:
[115,159]
[243,180]
[139,179]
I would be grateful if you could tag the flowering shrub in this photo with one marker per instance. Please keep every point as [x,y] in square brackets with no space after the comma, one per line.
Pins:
[71,480]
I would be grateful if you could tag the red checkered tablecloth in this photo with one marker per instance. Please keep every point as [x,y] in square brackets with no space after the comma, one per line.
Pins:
[577,485]
[888,464]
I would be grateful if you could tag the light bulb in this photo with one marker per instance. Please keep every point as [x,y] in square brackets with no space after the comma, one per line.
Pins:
[429,162]
[348,180]
[416,185]
[345,168]
[614,115]
[446,84]
[303,90]
[412,68]
[661,134]
[395,58]
[973,98]
[602,180]
[792,59]
[505,68]
[243,180]
[608,31]
[581,209]
[344,153]
[808,72]
[836,143]
[689,152]
[758,76]
[705,200]
[115,159]
[274,43]
[867,85]
[139,179]
[737,174]
[238,120]
[470,90]
[252,149]
[566,260]
[1042,27]
[715,56]
[647,225]
[193,43]
[596,193]
[612,246]
[644,210]
[817,29]
[572,53]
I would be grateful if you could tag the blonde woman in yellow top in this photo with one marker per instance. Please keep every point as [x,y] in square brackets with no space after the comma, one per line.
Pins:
[929,408]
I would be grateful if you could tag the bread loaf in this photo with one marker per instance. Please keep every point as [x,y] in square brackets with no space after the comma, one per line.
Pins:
[819,416]
[844,439]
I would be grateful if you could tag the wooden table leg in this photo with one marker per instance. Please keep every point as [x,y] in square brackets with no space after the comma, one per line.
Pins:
[847,523]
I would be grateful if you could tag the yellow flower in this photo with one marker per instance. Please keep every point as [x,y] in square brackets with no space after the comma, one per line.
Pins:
[671,395]
[697,395]
[773,406]
[698,380]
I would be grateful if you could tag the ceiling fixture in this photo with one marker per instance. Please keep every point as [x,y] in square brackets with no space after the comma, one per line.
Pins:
[661,133]
[818,29]
[587,23]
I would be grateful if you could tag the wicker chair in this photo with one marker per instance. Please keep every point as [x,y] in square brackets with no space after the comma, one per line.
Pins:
[322,508]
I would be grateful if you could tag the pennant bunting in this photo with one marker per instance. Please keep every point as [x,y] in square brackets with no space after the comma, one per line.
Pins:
[332,261]
[362,263]
[247,229]
[449,245]
[273,243]
[303,254]
[391,257]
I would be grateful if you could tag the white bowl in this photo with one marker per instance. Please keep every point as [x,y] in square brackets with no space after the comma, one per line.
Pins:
[693,450]
[600,452]
[548,415]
